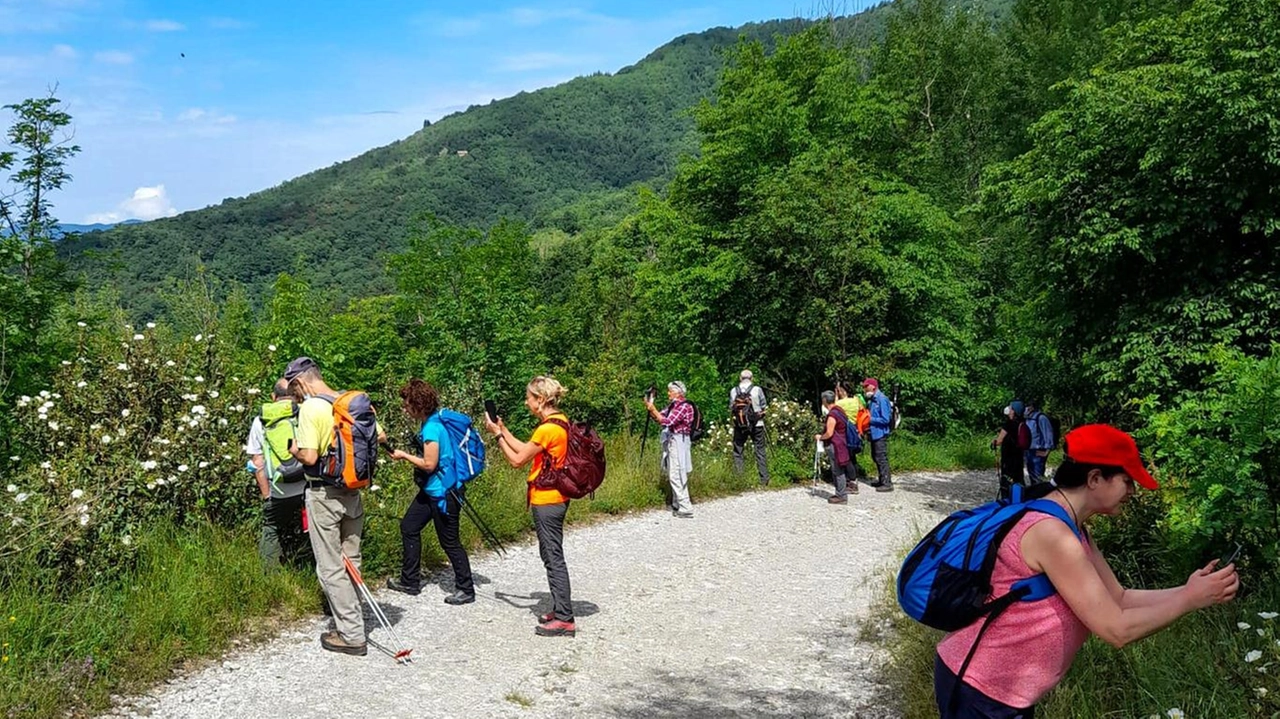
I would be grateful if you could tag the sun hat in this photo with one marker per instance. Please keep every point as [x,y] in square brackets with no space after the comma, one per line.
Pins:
[1104,444]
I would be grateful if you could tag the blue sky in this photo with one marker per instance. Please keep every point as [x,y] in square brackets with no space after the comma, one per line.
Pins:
[269,90]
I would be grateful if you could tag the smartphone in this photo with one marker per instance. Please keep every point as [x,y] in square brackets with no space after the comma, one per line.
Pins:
[491,409]
[1229,557]
[388,446]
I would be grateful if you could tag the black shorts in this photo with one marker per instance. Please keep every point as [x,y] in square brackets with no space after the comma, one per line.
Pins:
[968,703]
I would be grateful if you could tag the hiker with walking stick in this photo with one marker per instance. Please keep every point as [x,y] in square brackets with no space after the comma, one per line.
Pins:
[438,500]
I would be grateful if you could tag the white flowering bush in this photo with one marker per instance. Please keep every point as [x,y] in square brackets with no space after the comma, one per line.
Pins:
[137,427]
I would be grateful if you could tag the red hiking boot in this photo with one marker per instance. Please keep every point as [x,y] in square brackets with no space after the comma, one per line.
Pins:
[556,628]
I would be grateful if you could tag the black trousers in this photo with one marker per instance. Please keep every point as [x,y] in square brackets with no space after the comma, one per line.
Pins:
[548,522]
[957,700]
[880,455]
[422,510]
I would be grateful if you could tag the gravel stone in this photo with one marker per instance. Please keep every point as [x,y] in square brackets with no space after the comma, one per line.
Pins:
[752,608]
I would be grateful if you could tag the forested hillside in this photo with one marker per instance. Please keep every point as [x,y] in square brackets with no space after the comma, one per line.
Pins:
[527,157]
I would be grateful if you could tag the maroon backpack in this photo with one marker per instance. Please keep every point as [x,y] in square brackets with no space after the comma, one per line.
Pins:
[583,469]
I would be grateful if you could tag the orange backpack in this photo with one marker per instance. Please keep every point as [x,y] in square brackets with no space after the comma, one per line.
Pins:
[353,454]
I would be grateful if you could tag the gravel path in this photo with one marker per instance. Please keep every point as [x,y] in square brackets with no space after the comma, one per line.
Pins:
[752,608]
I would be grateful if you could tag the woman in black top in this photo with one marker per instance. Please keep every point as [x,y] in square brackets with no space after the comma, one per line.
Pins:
[1010,439]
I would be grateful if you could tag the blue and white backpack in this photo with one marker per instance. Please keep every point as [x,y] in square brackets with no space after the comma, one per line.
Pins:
[468,454]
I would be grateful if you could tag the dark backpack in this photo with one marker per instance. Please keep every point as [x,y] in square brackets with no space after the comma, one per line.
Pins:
[1024,435]
[945,582]
[699,428]
[1056,425]
[583,469]
[743,410]
[852,439]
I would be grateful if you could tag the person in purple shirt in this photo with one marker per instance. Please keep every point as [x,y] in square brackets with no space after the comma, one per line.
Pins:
[677,420]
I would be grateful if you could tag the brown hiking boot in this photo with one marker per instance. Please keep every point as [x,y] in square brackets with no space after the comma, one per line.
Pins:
[837,500]
[333,641]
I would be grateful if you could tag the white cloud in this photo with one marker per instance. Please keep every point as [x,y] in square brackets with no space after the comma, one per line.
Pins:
[164,26]
[113,57]
[203,116]
[65,52]
[147,203]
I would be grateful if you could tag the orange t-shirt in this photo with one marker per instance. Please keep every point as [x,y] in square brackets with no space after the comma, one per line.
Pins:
[555,440]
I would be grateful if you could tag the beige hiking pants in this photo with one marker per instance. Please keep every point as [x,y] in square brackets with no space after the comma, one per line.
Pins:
[336,517]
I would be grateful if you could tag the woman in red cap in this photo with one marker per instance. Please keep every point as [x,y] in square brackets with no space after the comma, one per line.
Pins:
[1027,650]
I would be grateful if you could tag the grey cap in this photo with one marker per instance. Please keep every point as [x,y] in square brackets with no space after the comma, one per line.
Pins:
[298,366]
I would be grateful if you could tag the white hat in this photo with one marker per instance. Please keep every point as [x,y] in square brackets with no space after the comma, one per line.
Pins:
[746,374]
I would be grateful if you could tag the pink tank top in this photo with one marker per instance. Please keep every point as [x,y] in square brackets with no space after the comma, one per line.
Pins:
[1028,649]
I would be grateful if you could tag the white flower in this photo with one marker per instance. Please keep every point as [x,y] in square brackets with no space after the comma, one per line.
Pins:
[202,465]
[66,363]
[1175,714]
[191,397]
[137,337]
[81,384]
[222,421]
[1253,656]
[77,493]
[252,390]
[151,325]
[1260,632]
[171,479]
[122,367]
[182,468]
[22,497]
[1268,615]
[61,443]
[126,540]
[46,465]
[95,427]
[124,412]
[1260,691]
[81,324]
[1242,626]
[271,348]
[44,393]
[170,363]
[159,482]
[199,337]
[106,439]
[213,394]
[12,488]
[199,409]
[53,426]
[199,379]
[149,465]
[84,520]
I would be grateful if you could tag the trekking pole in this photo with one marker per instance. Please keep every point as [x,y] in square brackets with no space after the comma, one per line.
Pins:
[401,653]
[817,465]
[644,438]
[486,532]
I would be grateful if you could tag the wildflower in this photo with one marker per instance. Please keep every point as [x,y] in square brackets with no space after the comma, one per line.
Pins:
[199,409]
[77,493]
[22,497]
[199,379]
[149,465]
[81,384]
[95,427]
[252,390]
[151,485]
[61,444]
[12,488]
[137,337]
[182,468]
[66,363]
[151,325]
[191,397]
[271,348]
[46,465]
[44,394]
[81,324]
[222,421]
[160,482]
[80,560]
[1260,632]
[1253,656]
[170,363]
[1176,714]
[202,465]
[122,367]
[126,540]
[374,487]
[124,412]
[1268,615]
[213,394]
[1260,691]
[1242,626]
[53,426]
[106,439]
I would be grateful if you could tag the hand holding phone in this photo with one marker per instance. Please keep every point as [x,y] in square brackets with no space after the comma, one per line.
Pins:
[1229,557]
[491,409]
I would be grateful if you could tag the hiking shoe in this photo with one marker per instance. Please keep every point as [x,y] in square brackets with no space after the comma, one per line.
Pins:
[883,487]
[396,585]
[837,500]
[556,628]
[548,617]
[460,597]
[333,641]
[684,515]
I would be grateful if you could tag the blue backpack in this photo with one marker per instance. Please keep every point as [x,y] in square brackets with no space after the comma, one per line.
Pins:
[852,439]
[468,449]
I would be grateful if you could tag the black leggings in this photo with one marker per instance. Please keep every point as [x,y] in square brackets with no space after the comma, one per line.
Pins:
[422,510]
[957,700]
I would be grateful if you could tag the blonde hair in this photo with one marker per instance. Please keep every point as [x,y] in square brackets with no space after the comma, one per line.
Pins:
[546,390]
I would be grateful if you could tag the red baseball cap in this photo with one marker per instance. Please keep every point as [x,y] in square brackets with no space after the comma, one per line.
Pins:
[871,382]
[1104,444]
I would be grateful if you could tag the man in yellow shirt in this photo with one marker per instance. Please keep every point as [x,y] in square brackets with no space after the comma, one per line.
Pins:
[336,514]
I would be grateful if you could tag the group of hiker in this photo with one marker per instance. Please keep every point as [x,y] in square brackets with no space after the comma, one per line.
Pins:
[311,450]
[1025,440]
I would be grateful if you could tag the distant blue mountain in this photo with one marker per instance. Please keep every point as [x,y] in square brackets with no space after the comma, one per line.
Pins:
[67,227]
